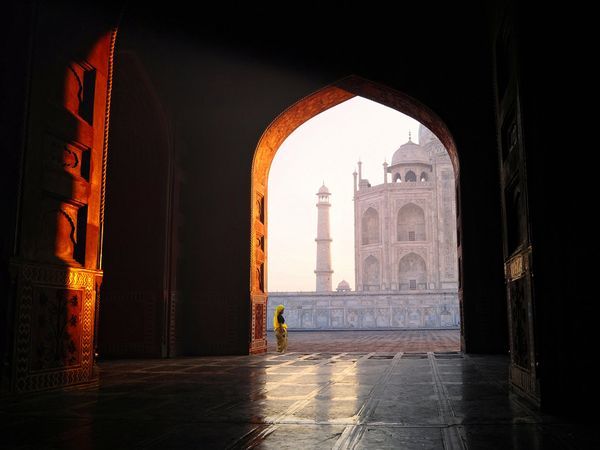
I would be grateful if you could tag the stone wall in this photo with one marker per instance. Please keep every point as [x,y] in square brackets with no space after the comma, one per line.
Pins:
[366,310]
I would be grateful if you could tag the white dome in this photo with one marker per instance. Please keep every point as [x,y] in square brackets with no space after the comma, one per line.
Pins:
[410,153]
[343,286]
[323,190]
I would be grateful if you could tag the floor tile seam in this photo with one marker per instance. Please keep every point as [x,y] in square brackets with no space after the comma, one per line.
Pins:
[350,437]
[445,407]
[253,437]
[371,403]
[296,406]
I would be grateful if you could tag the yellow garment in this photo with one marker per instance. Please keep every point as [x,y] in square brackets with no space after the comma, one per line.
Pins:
[282,339]
[276,324]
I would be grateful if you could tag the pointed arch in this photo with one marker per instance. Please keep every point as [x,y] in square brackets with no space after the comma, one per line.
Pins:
[274,135]
[371,274]
[370,227]
[410,176]
[411,223]
[412,272]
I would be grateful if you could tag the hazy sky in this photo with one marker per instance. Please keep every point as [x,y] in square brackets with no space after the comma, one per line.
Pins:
[326,148]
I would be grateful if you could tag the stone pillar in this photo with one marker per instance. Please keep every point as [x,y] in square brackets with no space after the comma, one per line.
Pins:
[323,240]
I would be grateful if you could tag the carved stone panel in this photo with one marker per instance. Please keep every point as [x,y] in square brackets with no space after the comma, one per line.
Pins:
[70,157]
[258,329]
[259,320]
[55,313]
[56,331]
[520,339]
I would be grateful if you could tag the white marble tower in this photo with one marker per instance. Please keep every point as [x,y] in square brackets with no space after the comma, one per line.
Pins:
[323,270]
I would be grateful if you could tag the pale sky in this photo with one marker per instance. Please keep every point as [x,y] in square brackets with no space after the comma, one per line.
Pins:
[326,148]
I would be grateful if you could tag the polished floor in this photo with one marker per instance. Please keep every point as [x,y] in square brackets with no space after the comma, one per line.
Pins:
[296,400]
[369,341]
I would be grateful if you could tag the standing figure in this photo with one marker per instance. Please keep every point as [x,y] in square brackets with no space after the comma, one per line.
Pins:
[280,329]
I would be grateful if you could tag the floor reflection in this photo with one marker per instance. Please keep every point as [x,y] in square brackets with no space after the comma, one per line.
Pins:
[294,400]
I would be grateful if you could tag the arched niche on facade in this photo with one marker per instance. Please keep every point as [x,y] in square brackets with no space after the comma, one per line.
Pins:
[412,272]
[371,274]
[370,227]
[411,223]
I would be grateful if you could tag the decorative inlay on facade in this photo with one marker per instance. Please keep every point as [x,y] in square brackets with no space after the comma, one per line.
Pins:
[367,310]
[54,340]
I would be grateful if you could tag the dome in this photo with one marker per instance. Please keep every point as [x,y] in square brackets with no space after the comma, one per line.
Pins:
[323,190]
[343,286]
[410,153]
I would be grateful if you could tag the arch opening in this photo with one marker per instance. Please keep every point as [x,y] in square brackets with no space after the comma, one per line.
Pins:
[289,121]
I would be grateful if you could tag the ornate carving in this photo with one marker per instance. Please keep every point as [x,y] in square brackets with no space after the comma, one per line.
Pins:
[260,243]
[517,266]
[173,324]
[258,329]
[260,275]
[56,331]
[111,59]
[71,157]
[259,320]
[260,208]
[53,303]
[519,332]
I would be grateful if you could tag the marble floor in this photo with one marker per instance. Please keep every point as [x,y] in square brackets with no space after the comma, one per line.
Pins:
[296,400]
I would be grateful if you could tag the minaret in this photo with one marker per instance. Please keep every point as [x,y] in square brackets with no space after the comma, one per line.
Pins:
[323,270]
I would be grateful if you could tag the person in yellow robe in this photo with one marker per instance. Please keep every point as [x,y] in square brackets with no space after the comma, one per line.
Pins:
[280,328]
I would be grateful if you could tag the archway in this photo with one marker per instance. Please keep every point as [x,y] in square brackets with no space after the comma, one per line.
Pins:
[412,272]
[370,227]
[411,223]
[270,142]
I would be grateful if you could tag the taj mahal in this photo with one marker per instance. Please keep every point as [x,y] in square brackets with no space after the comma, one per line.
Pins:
[404,244]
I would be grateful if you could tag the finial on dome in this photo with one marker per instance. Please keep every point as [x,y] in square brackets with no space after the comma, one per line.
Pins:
[409,136]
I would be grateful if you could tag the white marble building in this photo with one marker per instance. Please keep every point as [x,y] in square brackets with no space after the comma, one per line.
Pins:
[405,227]
[367,310]
[405,250]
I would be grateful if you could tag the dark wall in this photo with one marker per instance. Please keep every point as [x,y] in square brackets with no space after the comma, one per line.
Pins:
[224,81]
[15,53]
[563,236]
[138,214]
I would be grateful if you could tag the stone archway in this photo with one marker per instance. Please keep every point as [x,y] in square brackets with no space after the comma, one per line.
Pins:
[267,147]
